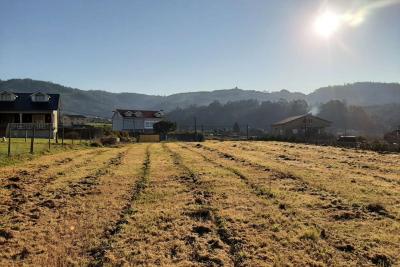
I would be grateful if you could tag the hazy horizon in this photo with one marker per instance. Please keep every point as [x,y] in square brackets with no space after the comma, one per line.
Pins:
[202,91]
[163,48]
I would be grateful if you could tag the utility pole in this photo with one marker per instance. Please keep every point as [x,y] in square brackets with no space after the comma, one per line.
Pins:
[9,140]
[195,128]
[247,131]
[305,129]
[50,136]
[62,137]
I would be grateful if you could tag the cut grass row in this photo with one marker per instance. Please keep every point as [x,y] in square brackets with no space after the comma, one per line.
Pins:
[367,233]
[83,207]
[214,204]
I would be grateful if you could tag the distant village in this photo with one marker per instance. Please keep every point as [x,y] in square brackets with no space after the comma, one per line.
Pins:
[25,111]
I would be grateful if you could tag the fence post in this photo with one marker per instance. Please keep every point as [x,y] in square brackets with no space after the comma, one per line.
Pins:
[49,136]
[32,138]
[57,134]
[62,137]
[9,140]
[26,134]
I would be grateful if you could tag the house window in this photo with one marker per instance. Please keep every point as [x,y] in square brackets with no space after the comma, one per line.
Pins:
[40,98]
[7,97]
[149,124]
[128,114]
[139,114]
[294,131]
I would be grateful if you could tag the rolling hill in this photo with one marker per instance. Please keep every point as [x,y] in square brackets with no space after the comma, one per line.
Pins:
[102,103]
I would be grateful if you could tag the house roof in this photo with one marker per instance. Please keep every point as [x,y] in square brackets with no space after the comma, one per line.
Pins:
[23,102]
[135,113]
[293,118]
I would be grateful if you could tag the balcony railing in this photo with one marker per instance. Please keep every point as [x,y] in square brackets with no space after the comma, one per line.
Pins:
[30,126]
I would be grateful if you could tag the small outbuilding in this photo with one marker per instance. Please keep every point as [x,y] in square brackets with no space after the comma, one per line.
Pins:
[302,125]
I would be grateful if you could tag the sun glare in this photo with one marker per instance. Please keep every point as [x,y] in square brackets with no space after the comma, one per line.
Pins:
[326,24]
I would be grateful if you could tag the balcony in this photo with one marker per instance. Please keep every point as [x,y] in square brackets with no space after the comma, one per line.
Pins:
[29,126]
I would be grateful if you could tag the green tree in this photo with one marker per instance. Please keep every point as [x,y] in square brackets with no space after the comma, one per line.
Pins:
[164,127]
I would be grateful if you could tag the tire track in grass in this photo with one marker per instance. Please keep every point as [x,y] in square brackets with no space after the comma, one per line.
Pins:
[97,254]
[205,244]
[204,197]
[333,240]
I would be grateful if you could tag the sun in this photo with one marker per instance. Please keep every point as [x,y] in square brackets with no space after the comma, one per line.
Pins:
[326,24]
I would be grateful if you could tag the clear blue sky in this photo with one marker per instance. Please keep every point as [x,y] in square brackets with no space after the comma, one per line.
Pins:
[166,46]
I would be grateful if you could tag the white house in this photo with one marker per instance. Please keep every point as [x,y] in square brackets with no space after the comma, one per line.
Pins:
[140,121]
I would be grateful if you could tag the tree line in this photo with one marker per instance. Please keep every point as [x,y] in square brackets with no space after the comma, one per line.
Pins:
[260,115]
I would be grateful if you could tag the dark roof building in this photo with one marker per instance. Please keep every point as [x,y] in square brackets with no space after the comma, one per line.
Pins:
[29,109]
[28,102]
[306,124]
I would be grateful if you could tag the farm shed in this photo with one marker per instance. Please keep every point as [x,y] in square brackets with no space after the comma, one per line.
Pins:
[301,125]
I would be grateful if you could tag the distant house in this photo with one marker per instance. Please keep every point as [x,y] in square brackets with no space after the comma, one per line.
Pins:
[393,137]
[28,110]
[70,120]
[136,121]
[306,124]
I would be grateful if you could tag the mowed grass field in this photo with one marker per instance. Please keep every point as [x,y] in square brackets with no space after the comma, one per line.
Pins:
[202,204]
[21,146]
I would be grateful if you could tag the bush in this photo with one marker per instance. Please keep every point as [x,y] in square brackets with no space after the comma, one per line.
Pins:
[127,139]
[109,141]
[95,144]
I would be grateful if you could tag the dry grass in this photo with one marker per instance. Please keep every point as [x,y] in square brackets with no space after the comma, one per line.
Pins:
[213,204]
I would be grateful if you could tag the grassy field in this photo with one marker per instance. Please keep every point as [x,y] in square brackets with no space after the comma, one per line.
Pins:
[20,149]
[206,204]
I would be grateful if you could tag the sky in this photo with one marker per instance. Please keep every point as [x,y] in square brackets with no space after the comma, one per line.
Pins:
[164,47]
